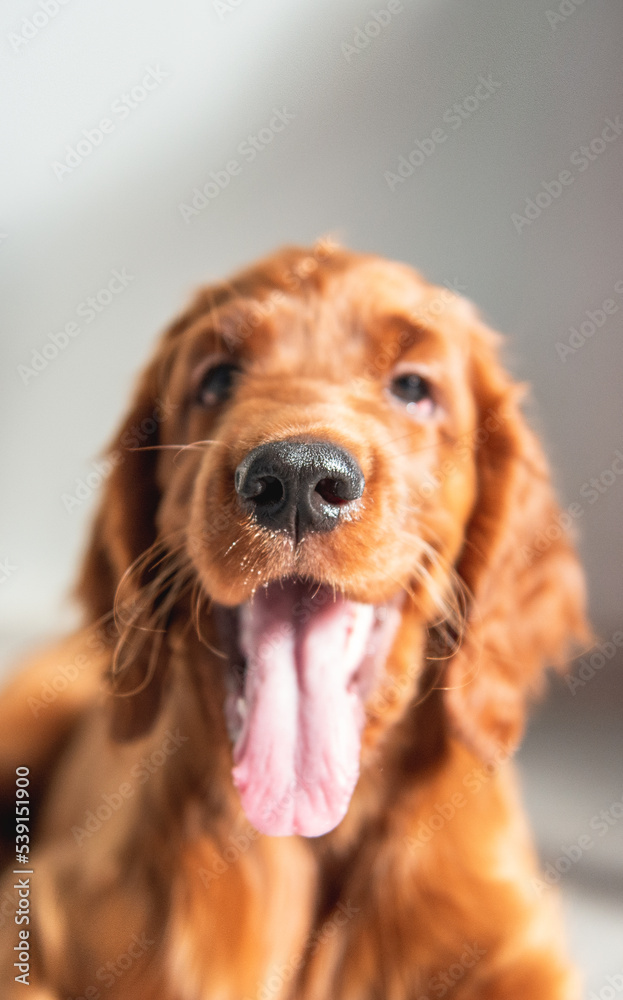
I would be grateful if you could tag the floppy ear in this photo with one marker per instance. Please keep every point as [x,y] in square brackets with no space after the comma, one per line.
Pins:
[527,600]
[117,571]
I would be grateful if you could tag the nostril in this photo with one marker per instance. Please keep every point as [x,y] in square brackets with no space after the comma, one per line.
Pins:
[298,486]
[332,490]
[270,491]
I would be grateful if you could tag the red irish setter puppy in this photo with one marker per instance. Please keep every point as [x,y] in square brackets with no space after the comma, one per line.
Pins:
[275,762]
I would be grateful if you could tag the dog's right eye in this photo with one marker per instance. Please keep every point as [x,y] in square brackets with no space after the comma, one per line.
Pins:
[216,384]
[415,392]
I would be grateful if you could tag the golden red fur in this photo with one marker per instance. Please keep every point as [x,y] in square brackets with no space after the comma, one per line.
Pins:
[416,534]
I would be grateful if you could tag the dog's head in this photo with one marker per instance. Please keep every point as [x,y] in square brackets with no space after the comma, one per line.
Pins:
[323,457]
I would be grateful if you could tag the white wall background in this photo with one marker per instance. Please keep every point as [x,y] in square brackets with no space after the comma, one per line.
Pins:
[354,116]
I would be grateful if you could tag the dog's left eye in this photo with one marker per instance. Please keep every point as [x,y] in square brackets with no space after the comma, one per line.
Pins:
[415,391]
[216,384]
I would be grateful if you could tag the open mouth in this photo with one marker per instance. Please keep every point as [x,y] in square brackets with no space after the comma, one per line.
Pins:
[303,661]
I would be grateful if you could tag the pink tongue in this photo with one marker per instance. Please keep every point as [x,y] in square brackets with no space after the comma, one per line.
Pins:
[297,759]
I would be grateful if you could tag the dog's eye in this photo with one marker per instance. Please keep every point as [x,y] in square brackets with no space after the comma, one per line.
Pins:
[216,384]
[415,391]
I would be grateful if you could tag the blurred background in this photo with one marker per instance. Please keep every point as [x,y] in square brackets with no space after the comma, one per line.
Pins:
[481,142]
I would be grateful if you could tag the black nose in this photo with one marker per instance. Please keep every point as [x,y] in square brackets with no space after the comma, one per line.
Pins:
[298,486]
